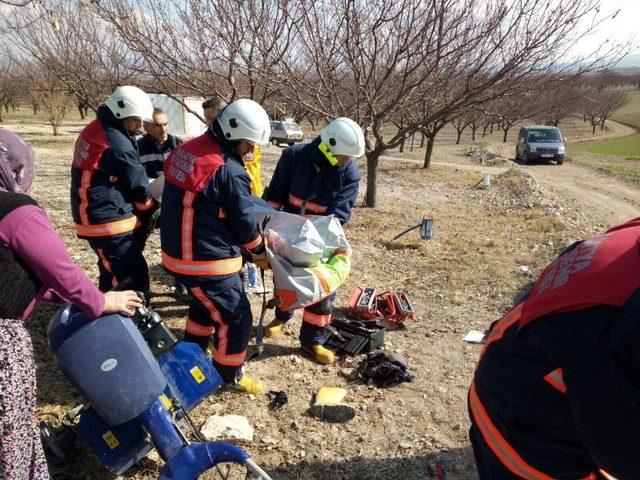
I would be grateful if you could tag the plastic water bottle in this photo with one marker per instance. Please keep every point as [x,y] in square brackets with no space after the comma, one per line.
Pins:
[253,275]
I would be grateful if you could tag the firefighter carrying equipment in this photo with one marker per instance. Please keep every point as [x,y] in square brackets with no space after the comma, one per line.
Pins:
[383,369]
[205,183]
[305,183]
[554,394]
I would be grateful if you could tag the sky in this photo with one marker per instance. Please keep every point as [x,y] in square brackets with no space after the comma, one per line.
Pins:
[626,25]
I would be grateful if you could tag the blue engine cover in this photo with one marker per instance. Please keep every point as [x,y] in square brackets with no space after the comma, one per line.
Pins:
[117,447]
[108,361]
[190,374]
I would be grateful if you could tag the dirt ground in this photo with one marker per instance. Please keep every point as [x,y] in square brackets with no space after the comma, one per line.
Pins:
[487,244]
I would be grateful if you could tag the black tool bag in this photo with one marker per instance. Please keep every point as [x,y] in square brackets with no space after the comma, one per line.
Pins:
[354,337]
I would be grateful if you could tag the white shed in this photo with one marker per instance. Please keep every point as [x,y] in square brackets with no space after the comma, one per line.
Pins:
[182,123]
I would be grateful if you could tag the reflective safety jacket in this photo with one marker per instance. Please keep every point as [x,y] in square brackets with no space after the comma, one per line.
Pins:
[556,393]
[305,182]
[152,156]
[108,183]
[207,214]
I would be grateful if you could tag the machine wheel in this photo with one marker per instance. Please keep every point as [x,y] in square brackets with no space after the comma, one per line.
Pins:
[517,156]
[274,141]
[525,158]
[560,161]
[291,144]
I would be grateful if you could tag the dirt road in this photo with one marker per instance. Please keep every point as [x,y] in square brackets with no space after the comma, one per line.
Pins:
[608,199]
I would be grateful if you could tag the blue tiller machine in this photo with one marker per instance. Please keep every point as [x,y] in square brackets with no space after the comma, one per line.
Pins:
[138,382]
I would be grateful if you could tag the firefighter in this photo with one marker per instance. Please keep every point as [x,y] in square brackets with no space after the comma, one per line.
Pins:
[557,387]
[206,225]
[318,178]
[157,144]
[110,199]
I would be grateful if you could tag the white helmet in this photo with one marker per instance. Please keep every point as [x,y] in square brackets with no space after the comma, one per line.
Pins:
[343,136]
[246,120]
[128,101]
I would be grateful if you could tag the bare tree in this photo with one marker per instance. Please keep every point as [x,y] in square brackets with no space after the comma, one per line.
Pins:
[76,48]
[374,60]
[9,85]
[599,105]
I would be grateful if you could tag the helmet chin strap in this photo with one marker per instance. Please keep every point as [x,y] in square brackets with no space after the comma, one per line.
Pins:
[331,158]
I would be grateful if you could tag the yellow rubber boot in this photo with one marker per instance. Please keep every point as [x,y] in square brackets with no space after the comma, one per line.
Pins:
[247,385]
[274,328]
[323,355]
[328,405]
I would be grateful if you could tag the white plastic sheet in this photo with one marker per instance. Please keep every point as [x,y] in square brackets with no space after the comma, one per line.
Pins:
[309,257]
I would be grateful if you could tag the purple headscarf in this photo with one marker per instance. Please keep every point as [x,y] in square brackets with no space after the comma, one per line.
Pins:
[17,163]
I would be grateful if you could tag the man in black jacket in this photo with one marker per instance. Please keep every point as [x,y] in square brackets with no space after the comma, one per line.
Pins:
[157,144]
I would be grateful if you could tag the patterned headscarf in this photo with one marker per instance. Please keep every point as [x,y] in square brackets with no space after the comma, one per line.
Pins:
[17,163]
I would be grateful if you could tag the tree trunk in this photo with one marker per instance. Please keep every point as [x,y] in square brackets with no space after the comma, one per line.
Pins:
[404,139]
[602,124]
[412,139]
[82,112]
[35,109]
[427,154]
[1,120]
[372,175]
[459,135]
[484,131]
[6,107]
[422,141]
[491,130]
[55,130]
[473,133]
[593,131]
[506,132]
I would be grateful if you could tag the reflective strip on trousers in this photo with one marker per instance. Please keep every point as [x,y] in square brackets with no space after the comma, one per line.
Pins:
[315,319]
[199,330]
[107,266]
[219,351]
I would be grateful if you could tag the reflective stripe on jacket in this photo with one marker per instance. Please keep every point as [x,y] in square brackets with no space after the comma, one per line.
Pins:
[152,157]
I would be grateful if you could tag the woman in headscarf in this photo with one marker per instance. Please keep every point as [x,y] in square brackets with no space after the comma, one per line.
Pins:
[34,266]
